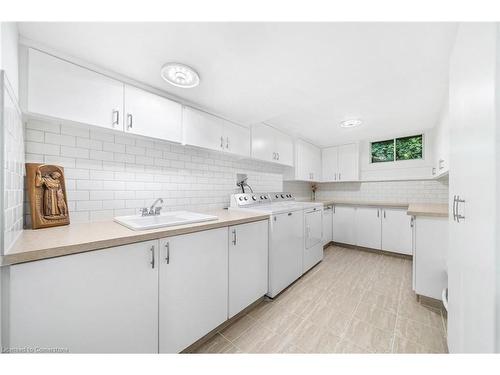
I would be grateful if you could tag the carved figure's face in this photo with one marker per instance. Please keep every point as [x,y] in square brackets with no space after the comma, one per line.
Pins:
[55,175]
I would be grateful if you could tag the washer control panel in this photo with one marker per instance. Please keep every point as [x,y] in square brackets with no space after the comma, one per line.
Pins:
[251,199]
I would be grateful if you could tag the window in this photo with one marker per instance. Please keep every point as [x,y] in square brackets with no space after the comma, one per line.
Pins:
[404,148]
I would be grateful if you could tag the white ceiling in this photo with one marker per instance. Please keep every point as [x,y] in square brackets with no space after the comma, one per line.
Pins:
[301,77]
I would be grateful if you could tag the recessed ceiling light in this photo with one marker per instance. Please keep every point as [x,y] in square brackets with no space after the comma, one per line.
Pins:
[180,75]
[350,123]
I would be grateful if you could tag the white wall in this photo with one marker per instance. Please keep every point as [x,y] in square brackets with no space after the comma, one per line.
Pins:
[9,54]
[397,170]
[110,173]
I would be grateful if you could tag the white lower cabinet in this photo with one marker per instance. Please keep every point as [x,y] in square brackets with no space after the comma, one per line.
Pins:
[373,227]
[193,287]
[396,231]
[368,229]
[429,257]
[102,301]
[344,224]
[327,225]
[248,264]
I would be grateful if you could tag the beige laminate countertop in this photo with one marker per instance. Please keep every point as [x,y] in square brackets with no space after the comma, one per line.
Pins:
[77,238]
[414,209]
[427,209]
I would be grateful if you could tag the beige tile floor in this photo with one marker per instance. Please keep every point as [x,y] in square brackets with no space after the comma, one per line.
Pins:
[352,302]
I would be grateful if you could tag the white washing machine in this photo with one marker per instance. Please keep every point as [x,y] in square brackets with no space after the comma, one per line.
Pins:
[286,235]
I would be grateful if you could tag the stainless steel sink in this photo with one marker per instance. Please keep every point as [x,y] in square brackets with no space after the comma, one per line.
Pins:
[166,219]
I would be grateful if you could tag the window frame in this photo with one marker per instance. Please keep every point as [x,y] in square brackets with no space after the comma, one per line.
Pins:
[394,149]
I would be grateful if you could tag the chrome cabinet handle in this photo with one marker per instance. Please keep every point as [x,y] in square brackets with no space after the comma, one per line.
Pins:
[167,257]
[335,176]
[274,155]
[411,222]
[234,237]
[334,209]
[454,208]
[116,117]
[221,142]
[459,217]
[278,156]
[433,171]
[384,214]
[378,212]
[152,257]
[441,161]
[130,121]
[227,142]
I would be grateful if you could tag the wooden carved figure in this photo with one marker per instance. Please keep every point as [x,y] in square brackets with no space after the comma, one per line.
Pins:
[47,192]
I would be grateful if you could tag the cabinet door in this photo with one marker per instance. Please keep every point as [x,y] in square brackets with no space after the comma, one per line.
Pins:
[202,129]
[327,224]
[396,231]
[329,163]
[368,227]
[102,301]
[193,287]
[263,143]
[236,139]
[63,90]
[348,163]
[152,115]
[308,159]
[343,224]
[248,261]
[283,146]
[431,244]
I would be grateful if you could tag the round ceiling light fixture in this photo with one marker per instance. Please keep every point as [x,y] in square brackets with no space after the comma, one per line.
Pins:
[350,123]
[180,75]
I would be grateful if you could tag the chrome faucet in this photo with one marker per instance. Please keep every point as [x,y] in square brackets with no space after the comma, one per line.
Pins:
[152,211]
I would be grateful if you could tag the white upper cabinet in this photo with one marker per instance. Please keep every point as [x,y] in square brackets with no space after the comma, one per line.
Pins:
[236,139]
[329,161]
[151,115]
[204,130]
[340,163]
[271,145]
[59,89]
[307,162]
[348,162]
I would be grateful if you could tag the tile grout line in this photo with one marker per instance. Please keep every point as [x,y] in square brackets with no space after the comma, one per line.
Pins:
[342,337]
[397,317]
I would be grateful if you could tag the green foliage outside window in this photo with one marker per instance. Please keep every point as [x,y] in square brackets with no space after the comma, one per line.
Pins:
[383,151]
[409,148]
[405,148]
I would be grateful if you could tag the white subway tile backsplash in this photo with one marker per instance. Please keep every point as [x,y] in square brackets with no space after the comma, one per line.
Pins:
[115,174]
[74,152]
[60,139]
[90,144]
[34,135]
[44,126]
[134,150]
[42,148]
[101,155]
